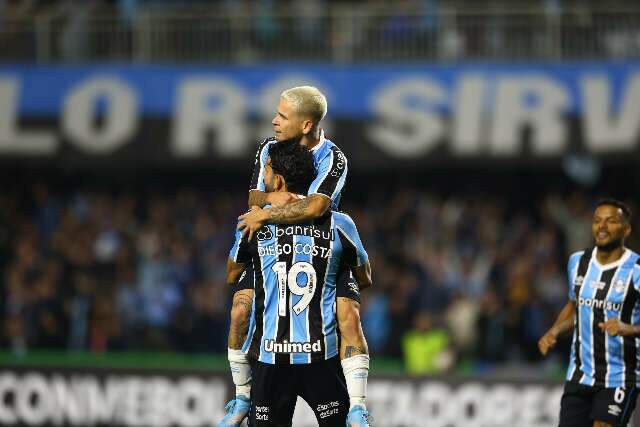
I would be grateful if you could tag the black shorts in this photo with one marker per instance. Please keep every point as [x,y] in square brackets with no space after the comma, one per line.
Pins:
[581,405]
[275,388]
[346,286]
[246,279]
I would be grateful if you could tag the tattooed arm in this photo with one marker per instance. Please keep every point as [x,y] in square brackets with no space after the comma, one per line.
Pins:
[303,210]
[257,198]
[240,315]
[352,340]
[241,308]
[300,211]
[352,350]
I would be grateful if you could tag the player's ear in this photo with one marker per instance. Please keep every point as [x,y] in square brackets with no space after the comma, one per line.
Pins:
[307,127]
[279,183]
[627,230]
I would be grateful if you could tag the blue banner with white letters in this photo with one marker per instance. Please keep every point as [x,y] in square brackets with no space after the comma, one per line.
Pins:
[383,115]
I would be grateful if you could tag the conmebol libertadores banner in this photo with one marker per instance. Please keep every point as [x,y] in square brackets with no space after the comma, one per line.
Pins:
[70,397]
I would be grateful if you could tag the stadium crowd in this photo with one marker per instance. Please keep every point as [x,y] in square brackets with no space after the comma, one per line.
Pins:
[318,30]
[456,278]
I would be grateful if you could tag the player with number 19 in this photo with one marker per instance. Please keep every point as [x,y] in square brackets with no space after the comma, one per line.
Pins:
[298,118]
[293,338]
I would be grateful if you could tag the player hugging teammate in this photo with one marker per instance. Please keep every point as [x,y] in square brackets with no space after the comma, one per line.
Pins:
[295,323]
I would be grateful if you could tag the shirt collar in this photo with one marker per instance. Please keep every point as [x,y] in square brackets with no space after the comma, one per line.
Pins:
[625,255]
[321,143]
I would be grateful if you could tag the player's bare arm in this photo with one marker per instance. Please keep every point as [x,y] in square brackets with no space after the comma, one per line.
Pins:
[240,312]
[353,341]
[241,307]
[616,328]
[257,198]
[275,199]
[302,210]
[563,323]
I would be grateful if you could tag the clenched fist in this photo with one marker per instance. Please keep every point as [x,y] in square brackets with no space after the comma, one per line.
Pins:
[547,342]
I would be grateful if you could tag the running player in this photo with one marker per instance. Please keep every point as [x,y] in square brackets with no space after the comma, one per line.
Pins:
[604,285]
[298,117]
[293,340]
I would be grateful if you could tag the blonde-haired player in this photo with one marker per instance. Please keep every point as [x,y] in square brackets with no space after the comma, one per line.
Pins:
[300,111]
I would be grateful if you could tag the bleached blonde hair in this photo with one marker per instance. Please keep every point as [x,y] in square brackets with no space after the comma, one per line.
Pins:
[308,101]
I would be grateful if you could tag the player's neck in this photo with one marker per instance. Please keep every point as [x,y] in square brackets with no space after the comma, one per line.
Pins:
[311,140]
[607,256]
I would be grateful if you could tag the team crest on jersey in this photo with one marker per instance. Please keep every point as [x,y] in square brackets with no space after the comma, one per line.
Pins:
[578,281]
[619,286]
[264,233]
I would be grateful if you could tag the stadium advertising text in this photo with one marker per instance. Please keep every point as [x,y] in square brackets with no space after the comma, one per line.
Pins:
[119,400]
[413,112]
[68,398]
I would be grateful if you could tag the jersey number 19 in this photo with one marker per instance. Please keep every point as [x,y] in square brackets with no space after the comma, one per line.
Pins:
[290,280]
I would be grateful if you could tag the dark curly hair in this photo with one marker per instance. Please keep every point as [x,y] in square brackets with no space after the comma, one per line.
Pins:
[295,163]
[626,210]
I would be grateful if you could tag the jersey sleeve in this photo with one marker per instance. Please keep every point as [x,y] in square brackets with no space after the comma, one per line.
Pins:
[636,276]
[257,181]
[332,174]
[353,252]
[239,252]
[572,270]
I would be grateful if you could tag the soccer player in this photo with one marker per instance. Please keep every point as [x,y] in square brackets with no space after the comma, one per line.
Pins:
[293,339]
[299,114]
[604,285]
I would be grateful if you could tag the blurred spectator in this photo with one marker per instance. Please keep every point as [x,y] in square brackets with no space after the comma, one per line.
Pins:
[143,269]
[375,320]
[426,347]
[492,339]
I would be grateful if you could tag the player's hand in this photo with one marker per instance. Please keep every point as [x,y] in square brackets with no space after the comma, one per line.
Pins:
[279,199]
[251,222]
[547,342]
[615,327]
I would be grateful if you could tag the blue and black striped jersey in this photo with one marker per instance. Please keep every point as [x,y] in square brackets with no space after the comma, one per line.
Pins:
[329,160]
[602,292]
[296,267]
